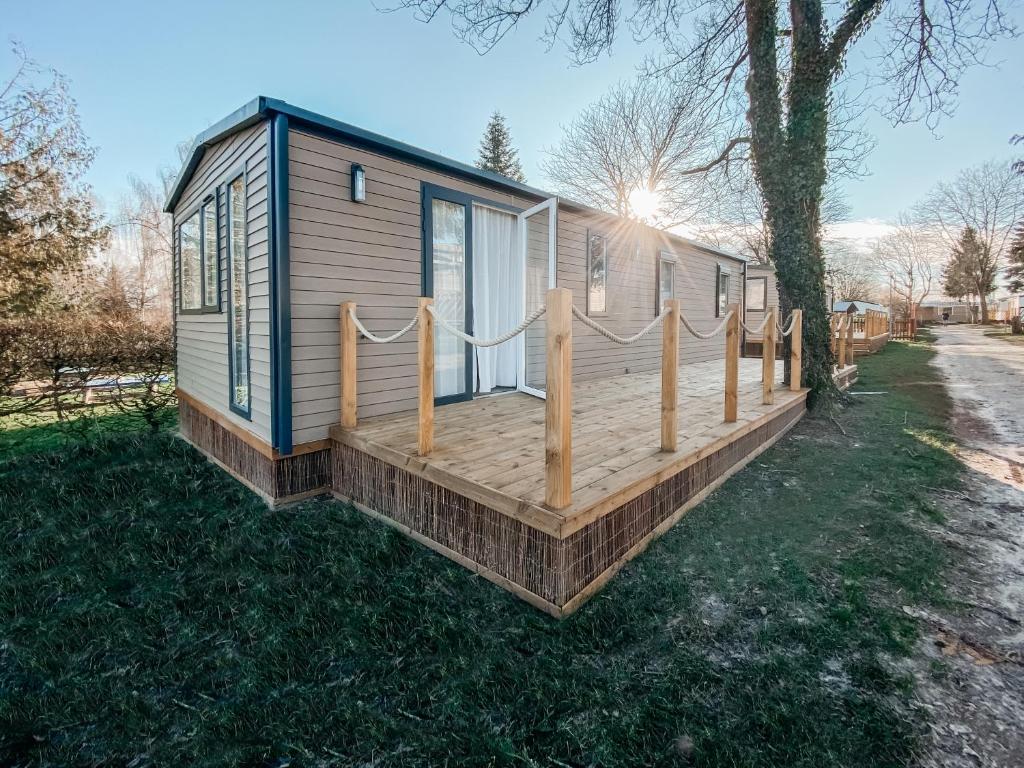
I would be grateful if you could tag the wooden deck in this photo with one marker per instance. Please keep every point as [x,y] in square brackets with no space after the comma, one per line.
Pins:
[491,449]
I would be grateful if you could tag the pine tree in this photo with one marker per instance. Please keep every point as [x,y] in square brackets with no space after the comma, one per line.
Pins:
[971,270]
[1015,270]
[496,151]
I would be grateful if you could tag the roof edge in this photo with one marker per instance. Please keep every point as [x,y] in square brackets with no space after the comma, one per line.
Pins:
[263,106]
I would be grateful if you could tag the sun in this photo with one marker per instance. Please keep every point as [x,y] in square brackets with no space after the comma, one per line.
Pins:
[644,203]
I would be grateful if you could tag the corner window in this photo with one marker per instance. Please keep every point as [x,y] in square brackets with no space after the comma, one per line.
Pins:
[199,261]
[722,288]
[757,294]
[238,297]
[666,279]
[597,274]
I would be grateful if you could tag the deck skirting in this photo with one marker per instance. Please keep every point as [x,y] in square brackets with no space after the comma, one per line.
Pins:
[556,573]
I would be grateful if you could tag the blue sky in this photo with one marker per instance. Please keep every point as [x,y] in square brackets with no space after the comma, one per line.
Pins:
[147,76]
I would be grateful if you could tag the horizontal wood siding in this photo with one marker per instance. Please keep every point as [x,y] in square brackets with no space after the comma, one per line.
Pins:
[202,340]
[371,253]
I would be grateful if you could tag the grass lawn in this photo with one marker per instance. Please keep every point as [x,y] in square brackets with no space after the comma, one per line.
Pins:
[153,612]
[1005,335]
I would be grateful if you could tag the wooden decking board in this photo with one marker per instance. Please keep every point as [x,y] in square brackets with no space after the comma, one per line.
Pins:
[491,450]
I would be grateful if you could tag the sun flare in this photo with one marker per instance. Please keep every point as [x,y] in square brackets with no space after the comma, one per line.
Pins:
[644,203]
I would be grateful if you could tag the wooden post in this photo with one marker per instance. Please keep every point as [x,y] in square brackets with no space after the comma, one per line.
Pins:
[795,352]
[732,363]
[425,358]
[558,402]
[348,366]
[849,340]
[842,340]
[670,377]
[832,332]
[768,359]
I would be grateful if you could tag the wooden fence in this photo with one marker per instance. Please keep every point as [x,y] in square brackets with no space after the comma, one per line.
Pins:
[558,382]
[904,329]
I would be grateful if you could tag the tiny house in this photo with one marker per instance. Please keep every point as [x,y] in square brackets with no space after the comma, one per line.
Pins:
[281,215]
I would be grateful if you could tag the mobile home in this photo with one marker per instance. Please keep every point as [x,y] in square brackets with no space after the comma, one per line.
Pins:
[281,216]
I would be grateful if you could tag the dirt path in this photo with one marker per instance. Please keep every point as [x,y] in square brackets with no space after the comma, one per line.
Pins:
[976,698]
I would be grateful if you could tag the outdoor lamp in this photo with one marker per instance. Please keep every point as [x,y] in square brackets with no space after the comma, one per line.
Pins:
[358,183]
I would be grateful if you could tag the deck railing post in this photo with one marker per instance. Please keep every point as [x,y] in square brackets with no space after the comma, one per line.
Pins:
[670,377]
[348,365]
[849,340]
[832,332]
[768,359]
[796,351]
[425,361]
[558,400]
[732,363]
[842,340]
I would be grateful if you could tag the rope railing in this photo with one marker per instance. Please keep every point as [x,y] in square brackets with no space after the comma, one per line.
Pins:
[382,339]
[610,335]
[758,329]
[694,332]
[507,336]
[789,328]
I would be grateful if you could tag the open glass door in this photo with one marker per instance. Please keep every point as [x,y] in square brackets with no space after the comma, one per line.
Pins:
[538,229]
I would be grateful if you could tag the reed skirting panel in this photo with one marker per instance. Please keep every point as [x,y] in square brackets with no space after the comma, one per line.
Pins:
[278,479]
[554,569]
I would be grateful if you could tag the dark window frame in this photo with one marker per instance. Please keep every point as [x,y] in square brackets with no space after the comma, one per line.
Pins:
[199,210]
[591,234]
[663,258]
[720,272]
[245,412]
[763,291]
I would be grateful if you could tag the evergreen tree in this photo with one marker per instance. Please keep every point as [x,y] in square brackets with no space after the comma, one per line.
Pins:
[496,151]
[1015,270]
[971,270]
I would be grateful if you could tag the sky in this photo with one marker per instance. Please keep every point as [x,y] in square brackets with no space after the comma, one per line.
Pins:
[148,76]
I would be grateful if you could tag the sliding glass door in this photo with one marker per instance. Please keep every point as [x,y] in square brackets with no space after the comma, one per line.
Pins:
[449,277]
[538,227]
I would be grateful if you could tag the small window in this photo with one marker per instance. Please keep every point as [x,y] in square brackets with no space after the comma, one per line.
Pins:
[722,287]
[666,279]
[238,297]
[190,251]
[597,274]
[199,261]
[757,293]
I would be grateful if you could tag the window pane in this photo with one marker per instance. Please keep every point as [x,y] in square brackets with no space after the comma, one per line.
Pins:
[188,248]
[598,278]
[239,294]
[210,263]
[666,283]
[449,258]
[756,290]
[723,293]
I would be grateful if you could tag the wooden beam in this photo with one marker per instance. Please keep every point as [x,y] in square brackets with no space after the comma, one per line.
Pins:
[849,339]
[842,339]
[558,400]
[768,358]
[670,377]
[795,351]
[732,363]
[425,359]
[348,366]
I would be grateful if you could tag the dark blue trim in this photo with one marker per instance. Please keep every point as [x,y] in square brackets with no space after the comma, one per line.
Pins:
[280,290]
[242,174]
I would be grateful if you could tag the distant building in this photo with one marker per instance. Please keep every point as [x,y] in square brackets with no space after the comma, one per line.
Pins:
[858,307]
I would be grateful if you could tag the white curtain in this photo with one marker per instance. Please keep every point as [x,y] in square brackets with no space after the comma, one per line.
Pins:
[497,294]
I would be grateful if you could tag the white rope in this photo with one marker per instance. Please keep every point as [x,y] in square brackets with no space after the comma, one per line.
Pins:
[789,328]
[382,339]
[582,317]
[759,328]
[486,342]
[698,334]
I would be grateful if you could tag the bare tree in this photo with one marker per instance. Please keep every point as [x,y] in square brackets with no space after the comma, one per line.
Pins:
[988,199]
[143,251]
[851,273]
[910,257]
[791,60]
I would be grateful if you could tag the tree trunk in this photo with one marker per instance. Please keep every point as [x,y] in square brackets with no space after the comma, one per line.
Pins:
[983,300]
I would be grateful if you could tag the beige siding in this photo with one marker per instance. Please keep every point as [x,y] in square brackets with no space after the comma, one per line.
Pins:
[202,340]
[371,253]
[754,317]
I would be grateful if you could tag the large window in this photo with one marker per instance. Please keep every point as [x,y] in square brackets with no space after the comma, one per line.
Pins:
[238,297]
[722,289]
[597,274]
[757,293]
[666,279]
[198,259]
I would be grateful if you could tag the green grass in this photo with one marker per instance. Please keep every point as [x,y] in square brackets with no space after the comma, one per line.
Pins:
[153,612]
[1005,335]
